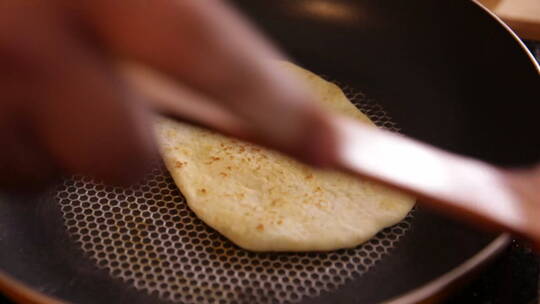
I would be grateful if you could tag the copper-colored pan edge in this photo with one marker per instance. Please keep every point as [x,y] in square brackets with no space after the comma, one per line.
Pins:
[428,292]
[21,293]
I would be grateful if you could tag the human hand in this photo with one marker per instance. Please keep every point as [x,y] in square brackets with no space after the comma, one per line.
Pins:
[65,108]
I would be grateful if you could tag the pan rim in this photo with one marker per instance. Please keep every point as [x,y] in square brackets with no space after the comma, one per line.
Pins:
[532,59]
[19,291]
[445,280]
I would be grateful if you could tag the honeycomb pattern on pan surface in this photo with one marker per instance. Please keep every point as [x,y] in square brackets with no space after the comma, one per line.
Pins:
[148,237]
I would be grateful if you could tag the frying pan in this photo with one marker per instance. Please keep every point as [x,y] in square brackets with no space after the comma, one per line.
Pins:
[445,72]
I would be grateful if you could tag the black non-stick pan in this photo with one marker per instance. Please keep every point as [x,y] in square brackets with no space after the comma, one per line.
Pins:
[445,72]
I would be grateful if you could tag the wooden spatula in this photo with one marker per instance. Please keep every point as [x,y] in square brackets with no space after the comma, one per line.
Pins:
[467,188]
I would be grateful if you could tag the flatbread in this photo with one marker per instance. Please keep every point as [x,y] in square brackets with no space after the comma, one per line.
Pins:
[264,201]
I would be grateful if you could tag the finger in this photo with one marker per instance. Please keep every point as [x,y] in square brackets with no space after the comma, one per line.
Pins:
[23,165]
[178,102]
[207,46]
[81,112]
